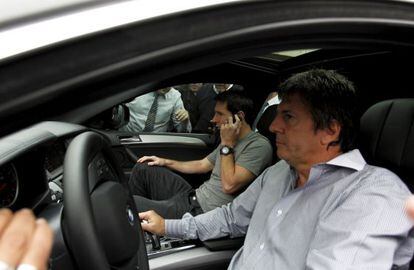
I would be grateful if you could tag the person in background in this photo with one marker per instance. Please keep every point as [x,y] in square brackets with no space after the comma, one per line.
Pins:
[189,97]
[158,111]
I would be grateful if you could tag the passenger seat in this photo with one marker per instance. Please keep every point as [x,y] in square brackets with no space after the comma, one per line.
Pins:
[263,128]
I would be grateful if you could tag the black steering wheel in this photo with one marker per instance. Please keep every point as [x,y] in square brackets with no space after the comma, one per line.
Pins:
[100,220]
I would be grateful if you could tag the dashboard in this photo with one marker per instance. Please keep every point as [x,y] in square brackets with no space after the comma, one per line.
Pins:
[31,165]
[9,185]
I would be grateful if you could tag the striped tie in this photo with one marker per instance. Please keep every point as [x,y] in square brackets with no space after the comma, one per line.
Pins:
[149,123]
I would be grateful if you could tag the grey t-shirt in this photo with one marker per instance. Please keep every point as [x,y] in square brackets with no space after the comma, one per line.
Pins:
[253,153]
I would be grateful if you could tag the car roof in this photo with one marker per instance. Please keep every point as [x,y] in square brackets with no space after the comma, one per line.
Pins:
[49,22]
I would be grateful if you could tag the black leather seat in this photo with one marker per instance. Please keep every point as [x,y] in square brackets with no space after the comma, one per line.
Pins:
[263,127]
[387,137]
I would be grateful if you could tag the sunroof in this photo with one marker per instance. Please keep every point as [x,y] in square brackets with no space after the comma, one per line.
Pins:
[294,53]
[285,55]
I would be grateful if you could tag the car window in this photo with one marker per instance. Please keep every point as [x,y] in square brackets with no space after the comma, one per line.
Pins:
[186,108]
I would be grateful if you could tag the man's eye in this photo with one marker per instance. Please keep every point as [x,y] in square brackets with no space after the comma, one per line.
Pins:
[287,117]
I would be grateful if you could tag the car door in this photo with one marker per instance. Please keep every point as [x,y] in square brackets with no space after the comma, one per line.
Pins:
[167,122]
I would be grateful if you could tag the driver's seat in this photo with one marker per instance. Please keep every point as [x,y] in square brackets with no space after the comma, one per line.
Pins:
[387,138]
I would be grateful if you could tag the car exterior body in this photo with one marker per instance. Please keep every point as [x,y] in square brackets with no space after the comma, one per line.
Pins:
[61,66]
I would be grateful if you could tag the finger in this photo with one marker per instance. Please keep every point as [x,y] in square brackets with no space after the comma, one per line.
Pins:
[142,159]
[409,206]
[144,215]
[5,218]
[230,120]
[237,118]
[145,227]
[40,247]
[147,158]
[17,237]
[179,117]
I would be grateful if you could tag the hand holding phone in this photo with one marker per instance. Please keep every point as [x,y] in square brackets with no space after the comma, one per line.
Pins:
[229,133]
[239,115]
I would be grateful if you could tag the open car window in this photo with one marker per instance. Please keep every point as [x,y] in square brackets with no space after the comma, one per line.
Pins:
[186,108]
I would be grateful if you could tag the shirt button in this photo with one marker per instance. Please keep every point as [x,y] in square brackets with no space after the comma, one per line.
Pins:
[261,246]
[279,212]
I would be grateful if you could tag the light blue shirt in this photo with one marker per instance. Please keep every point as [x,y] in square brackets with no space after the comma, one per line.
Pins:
[165,120]
[349,215]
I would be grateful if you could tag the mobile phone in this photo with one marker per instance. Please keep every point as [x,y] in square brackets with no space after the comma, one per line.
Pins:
[240,115]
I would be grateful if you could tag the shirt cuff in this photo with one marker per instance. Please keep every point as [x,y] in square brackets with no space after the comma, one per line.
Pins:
[174,228]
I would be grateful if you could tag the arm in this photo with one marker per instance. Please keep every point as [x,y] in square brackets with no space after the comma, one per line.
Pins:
[366,231]
[189,167]
[232,219]
[235,175]
[180,117]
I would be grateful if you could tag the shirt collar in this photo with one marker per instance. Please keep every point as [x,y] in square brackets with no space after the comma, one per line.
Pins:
[217,92]
[166,95]
[352,159]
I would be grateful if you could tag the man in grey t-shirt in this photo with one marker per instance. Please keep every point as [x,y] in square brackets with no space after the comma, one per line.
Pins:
[241,156]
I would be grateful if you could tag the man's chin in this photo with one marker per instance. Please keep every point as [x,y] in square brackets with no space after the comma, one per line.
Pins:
[280,154]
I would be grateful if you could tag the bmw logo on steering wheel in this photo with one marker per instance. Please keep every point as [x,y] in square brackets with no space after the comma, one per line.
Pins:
[130,215]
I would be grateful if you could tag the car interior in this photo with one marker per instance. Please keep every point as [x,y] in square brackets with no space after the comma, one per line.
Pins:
[72,168]
[113,153]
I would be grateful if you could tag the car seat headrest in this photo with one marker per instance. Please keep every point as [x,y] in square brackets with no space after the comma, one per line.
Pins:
[387,137]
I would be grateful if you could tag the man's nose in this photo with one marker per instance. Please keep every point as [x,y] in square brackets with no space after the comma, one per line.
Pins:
[275,126]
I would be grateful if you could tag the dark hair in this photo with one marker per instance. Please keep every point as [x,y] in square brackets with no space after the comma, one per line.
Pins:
[329,96]
[236,102]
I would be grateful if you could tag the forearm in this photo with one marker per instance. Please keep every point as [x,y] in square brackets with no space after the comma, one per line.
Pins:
[232,219]
[210,225]
[228,174]
[188,167]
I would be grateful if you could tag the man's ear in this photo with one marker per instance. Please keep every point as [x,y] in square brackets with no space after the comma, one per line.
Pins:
[331,133]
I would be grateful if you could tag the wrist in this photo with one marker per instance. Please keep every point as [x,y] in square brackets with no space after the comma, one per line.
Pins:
[166,162]
[226,150]
[228,144]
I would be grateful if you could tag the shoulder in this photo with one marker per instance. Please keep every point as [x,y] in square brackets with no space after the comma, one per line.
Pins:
[174,93]
[381,177]
[257,140]
[377,183]
[281,168]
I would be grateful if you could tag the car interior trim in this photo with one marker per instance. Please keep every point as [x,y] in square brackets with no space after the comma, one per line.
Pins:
[160,139]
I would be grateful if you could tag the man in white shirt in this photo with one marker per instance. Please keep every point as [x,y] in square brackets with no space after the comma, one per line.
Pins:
[158,111]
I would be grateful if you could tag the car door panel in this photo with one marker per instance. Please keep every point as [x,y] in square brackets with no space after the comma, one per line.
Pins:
[129,147]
